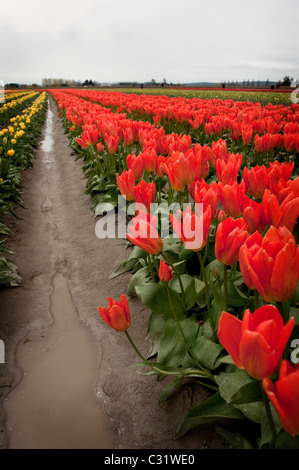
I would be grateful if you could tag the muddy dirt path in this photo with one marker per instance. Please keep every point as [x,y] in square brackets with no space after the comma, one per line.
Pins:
[67,380]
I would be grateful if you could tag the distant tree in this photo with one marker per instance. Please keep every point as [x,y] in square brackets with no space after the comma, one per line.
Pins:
[286,81]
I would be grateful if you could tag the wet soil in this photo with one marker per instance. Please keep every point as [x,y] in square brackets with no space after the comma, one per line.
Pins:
[68,380]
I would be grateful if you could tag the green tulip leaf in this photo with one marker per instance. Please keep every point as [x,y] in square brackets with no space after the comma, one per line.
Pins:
[206,351]
[229,383]
[155,297]
[140,277]
[172,348]
[208,411]
[170,389]
[249,393]
[155,329]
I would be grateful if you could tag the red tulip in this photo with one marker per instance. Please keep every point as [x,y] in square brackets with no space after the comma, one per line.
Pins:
[283,188]
[259,144]
[180,170]
[160,170]
[256,180]
[228,171]
[247,132]
[284,214]
[280,171]
[253,214]
[136,164]
[289,142]
[232,197]
[201,166]
[221,215]
[194,229]
[144,194]
[255,343]
[144,233]
[149,158]
[100,147]
[230,235]
[128,136]
[271,264]
[126,184]
[165,272]
[218,150]
[90,136]
[284,395]
[112,143]
[271,208]
[117,315]
[205,193]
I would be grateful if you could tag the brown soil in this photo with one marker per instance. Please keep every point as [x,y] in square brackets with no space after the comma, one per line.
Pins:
[67,380]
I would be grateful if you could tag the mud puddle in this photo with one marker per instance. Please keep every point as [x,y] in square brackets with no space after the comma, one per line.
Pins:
[55,405]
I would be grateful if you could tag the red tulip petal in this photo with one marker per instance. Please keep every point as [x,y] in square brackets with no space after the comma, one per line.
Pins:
[284,279]
[284,336]
[229,333]
[258,359]
[262,265]
[288,401]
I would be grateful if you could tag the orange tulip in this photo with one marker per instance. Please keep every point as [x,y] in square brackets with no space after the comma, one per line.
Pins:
[284,395]
[228,171]
[255,343]
[230,236]
[232,197]
[117,315]
[205,194]
[144,233]
[165,272]
[136,164]
[144,194]
[284,214]
[180,170]
[193,230]
[271,264]
[126,184]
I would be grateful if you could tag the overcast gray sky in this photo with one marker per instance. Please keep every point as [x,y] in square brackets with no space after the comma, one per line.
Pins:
[181,41]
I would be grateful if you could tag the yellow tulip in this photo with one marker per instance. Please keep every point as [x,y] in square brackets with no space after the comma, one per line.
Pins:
[11,152]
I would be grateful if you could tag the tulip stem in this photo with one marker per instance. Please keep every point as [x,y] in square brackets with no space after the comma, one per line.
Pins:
[151,266]
[134,347]
[225,287]
[178,276]
[182,332]
[282,310]
[207,294]
[270,418]
[256,299]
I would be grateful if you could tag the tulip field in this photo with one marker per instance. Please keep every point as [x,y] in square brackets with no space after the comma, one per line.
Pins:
[209,188]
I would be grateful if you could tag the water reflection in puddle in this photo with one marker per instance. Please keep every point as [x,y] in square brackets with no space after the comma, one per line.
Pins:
[55,405]
[48,140]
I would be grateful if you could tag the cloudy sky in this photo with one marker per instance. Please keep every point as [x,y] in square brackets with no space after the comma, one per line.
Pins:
[181,41]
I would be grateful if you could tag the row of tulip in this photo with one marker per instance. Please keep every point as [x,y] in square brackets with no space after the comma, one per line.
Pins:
[14,103]
[230,250]
[263,96]
[251,127]
[17,143]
